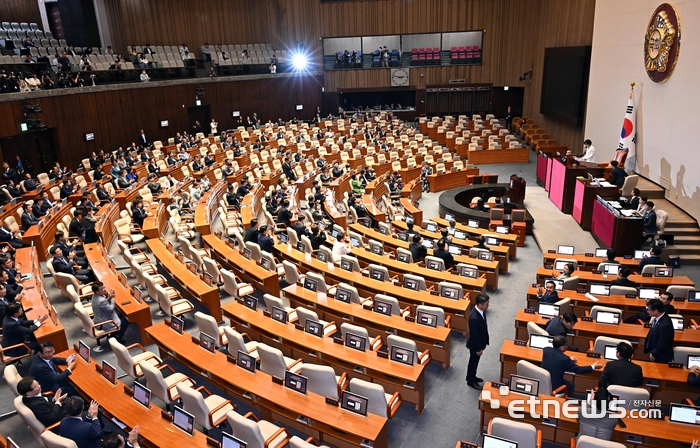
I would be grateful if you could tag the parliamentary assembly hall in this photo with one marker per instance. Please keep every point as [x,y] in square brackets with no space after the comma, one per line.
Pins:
[349,223]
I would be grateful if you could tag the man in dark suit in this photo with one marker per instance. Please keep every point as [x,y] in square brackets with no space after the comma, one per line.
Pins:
[622,279]
[6,236]
[284,216]
[11,188]
[509,118]
[556,363]
[61,241]
[418,251]
[561,326]
[288,171]
[28,218]
[46,409]
[265,240]
[75,227]
[17,331]
[65,263]
[8,174]
[300,228]
[548,294]
[478,339]
[153,167]
[44,370]
[665,297]
[618,175]
[143,139]
[67,189]
[251,234]
[4,302]
[649,224]
[659,341]
[622,372]
[86,431]
[443,253]
[694,380]
[633,203]
[654,258]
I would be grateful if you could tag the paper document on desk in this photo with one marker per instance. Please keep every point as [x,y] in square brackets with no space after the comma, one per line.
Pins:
[606,184]
[118,423]
[590,296]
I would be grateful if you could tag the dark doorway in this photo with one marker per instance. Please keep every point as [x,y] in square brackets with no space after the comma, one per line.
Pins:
[512,97]
[35,148]
[201,114]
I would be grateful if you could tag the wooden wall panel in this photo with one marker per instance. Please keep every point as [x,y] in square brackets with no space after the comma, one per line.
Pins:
[20,11]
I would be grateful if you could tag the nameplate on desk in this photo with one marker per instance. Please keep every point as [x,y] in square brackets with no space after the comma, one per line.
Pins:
[647,325]
[231,359]
[651,383]
[595,272]
[338,340]
[520,343]
[434,293]
[166,416]
[453,272]
[551,251]
[675,365]
[549,421]
[631,296]
[331,401]
[267,313]
[277,380]
[593,355]
[497,385]
[463,444]
[587,319]
[213,442]
[299,327]
[628,257]
[581,291]
[367,307]
[98,367]
[648,274]
[383,355]
[529,311]
[548,266]
[589,254]
[678,299]
[195,340]
[410,319]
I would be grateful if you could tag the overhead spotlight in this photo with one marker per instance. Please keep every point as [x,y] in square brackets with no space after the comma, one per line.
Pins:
[300,61]
[527,76]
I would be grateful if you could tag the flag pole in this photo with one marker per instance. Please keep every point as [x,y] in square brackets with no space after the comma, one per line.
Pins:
[632,84]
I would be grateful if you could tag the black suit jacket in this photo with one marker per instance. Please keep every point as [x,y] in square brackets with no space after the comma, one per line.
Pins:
[548,298]
[28,220]
[49,379]
[139,215]
[478,331]
[618,177]
[659,340]
[266,243]
[75,228]
[418,251]
[446,256]
[556,363]
[9,174]
[143,139]
[66,191]
[624,282]
[16,332]
[251,235]
[85,433]
[555,327]
[649,260]
[621,372]
[63,265]
[649,225]
[45,409]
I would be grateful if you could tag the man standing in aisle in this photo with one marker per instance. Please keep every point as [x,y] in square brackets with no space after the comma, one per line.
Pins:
[478,339]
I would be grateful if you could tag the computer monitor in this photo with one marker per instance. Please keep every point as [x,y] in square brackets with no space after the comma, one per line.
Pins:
[266,264]
[183,420]
[377,274]
[410,220]
[449,292]
[279,314]
[459,235]
[601,252]
[492,241]
[473,224]
[558,284]
[250,302]
[427,319]
[678,323]
[497,442]
[355,341]
[84,351]
[322,256]
[610,352]
[354,403]
[376,249]
[485,255]
[639,254]
[448,217]
[607,317]
[600,289]
[433,265]
[343,295]
[207,342]
[136,292]
[382,307]
[246,253]
[383,230]
[454,250]
[548,309]
[648,293]
[228,441]
[109,372]
[540,341]
[346,265]
[663,271]
[142,394]
[502,229]
[402,236]
[431,227]
[410,284]
[245,361]
[295,382]
[177,324]
[693,296]
[284,238]
[402,355]
[310,284]
[565,250]
[682,413]
[611,269]
[524,385]
[301,246]
[314,327]
[354,241]
[428,244]
[559,265]
[693,360]
[402,257]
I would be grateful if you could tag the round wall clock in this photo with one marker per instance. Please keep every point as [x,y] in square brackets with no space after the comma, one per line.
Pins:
[399,77]
[662,43]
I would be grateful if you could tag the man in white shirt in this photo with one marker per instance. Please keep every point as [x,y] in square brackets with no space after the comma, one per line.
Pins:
[341,247]
[104,310]
[588,152]
[144,76]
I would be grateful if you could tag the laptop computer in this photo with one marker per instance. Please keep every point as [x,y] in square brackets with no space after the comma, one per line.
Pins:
[250,302]
[601,252]
[663,271]
[610,352]
[428,319]
[548,309]
[648,293]
[355,341]
[295,382]
[611,269]
[279,314]
[639,254]
[207,342]
[245,361]
[682,413]
[228,441]
[314,327]
[497,442]
[177,324]
[382,307]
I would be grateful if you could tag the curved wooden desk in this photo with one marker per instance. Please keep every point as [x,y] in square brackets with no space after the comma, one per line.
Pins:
[207,209]
[104,228]
[43,237]
[589,277]
[589,263]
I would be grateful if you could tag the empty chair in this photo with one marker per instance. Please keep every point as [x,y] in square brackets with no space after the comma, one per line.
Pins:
[236,343]
[274,363]
[525,434]
[408,344]
[564,306]
[164,387]
[533,328]
[395,307]
[598,346]
[373,344]
[571,283]
[92,329]
[632,397]
[296,442]
[649,268]
[323,381]
[439,314]
[592,442]
[291,274]
[208,412]
[305,314]
[595,309]
[234,286]
[622,290]
[678,291]
[131,364]
[378,402]
[255,432]
[208,325]
[680,353]
[172,305]
[529,370]
[280,302]
[12,377]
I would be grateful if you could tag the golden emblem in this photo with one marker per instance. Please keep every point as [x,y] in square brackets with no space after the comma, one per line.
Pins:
[658,42]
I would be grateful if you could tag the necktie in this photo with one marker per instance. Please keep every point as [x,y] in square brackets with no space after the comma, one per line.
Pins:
[53,368]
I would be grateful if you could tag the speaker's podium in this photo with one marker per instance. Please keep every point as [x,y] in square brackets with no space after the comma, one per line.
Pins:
[516,189]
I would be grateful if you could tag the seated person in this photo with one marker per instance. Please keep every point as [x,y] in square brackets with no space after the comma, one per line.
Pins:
[65,263]
[265,240]
[444,254]
[654,258]
[44,369]
[566,272]
[548,294]
[618,175]
[28,217]
[409,230]
[480,207]
[317,236]
[481,242]
[622,371]
[46,408]
[17,330]
[139,213]
[86,431]
[611,257]
[666,299]
[556,363]
[418,251]
[561,325]
[622,279]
